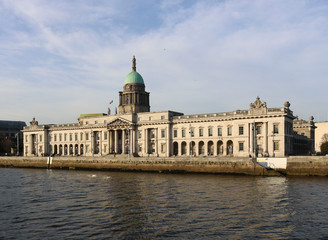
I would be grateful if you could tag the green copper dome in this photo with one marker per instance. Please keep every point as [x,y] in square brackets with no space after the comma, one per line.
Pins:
[134,76]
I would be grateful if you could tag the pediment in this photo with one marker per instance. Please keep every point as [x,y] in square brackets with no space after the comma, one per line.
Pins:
[119,123]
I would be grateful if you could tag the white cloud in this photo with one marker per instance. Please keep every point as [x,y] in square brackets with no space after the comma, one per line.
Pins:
[209,56]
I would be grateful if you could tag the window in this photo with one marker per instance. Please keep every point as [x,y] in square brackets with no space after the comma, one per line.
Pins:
[40,138]
[76,136]
[55,137]
[175,133]
[86,123]
[201,133]
[210,132]
[229,131]
[220,132]
[192,132]
[163,147]
[162,117]
[241,130]
[65,136]
[152,133]
[81,136]
[183,132]
[241,146]
[275,129]
[60,137]
[87,136]
[26,138]
[139,148]
[71,137]
[139,134]
[258,129]
[105,148]
[276,145]
[96,122]
[150,118]
[163,133]
[105,135]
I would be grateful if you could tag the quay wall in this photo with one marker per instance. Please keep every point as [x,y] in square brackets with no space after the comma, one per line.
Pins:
[296,165]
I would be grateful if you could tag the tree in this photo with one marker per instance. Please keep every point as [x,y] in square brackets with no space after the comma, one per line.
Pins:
[324,148]
[324,144]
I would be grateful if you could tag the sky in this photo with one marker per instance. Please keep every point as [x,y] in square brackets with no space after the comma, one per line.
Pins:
[60,59]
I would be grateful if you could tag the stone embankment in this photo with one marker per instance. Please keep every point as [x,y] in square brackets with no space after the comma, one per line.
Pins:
[296,166]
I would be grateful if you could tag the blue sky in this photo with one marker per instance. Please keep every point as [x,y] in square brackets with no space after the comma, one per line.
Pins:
[63,58]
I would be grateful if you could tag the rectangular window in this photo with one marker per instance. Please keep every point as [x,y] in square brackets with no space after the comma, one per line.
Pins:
[162,117]
[276,145]
[86,123]
[152,133]
[76,136]
[26,138]
[241,146]
[139,148]
[229,131]
[183,133]
[71,137]
[105,148]
[60,137]
[40,138]
[105,135]
[241,130]
[150,118]
[201,133]
[81,136]
[139,134]
[87,136]
[96,122]
[192,132]
[163,147]
[65,136]
[220,132]
[210,132]
[175,133]
[55,137]
[275,129]
[258,129]
[163,133]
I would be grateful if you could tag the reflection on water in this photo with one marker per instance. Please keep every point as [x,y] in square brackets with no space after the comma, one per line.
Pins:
[39,204]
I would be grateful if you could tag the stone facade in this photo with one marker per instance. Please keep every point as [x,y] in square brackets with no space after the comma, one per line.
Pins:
[134,130]
[320,137]
[304,132]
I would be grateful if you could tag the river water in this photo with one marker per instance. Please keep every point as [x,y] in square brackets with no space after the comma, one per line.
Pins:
[58,204]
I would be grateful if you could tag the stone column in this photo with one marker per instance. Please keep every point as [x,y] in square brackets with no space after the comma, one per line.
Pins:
[123,141]
[146,141]
[215,146]
[116,141]
[156,141]
[100,142]
[30,147]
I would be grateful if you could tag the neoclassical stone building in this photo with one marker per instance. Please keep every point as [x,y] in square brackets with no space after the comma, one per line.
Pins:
[136,131]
